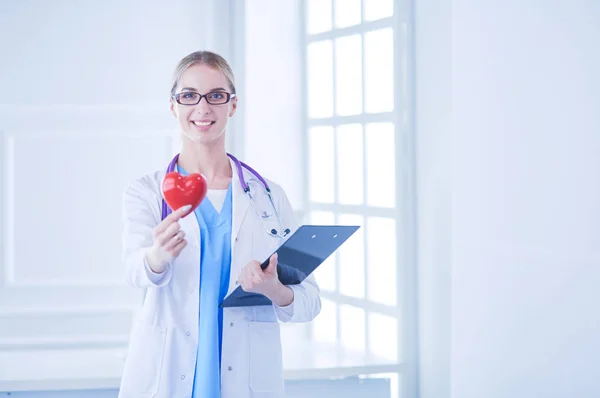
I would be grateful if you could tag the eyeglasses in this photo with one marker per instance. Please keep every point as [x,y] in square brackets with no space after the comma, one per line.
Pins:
[193,98]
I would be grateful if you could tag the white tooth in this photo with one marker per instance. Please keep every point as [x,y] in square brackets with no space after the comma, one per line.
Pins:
[202,123]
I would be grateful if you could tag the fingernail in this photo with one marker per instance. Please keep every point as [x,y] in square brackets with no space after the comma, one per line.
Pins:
[186,208]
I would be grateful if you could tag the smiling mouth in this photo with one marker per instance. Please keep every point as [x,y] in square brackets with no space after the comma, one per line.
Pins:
[203,124]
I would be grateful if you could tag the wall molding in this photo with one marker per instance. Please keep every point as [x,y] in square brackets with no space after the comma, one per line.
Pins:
[63,310]
[67,342]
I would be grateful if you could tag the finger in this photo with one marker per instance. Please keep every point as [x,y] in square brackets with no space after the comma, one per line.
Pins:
[256,271]
[251,272]
[257,279]
[171,218]
[248,280]
[163,227]
[244,273]
[256,274]
[241,277]
[174,241]
[178,248]
[272,267]
[169,233]
[254,266]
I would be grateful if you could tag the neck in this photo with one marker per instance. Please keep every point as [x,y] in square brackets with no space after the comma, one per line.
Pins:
[211,162]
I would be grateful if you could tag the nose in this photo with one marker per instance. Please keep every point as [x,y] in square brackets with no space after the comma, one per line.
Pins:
[203,106]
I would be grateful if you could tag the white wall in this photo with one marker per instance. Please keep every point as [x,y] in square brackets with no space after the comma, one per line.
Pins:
[273,101]
[526,204]
[83,110]
[433,133]
[106,52]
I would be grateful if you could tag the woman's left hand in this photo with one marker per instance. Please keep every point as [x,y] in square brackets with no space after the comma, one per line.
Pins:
[253,279]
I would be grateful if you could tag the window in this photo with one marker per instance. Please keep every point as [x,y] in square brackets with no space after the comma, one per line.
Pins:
[359,163]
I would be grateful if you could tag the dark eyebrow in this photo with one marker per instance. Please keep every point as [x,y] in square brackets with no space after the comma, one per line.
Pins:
[212,90]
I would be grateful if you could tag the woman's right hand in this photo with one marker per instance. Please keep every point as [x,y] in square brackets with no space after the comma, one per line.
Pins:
[168,241]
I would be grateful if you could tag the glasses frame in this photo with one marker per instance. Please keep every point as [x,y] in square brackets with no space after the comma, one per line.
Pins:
[230,96]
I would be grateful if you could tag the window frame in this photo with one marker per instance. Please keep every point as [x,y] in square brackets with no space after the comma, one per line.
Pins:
[404,213]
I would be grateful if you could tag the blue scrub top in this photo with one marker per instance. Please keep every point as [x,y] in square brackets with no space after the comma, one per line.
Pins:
[215,264]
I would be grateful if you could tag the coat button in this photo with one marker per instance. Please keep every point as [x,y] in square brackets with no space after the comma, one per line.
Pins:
[229,368]
[231,324]
[187,334]
[182,377]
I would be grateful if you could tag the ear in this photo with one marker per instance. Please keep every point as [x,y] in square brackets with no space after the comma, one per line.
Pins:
[172,107]
[233,107]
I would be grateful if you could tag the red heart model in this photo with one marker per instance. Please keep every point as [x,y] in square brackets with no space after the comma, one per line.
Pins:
[180,191]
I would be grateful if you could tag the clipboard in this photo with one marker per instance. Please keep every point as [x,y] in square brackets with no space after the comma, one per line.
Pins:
[297,258]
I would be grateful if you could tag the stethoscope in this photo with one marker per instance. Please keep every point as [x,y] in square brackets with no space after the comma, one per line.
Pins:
[263,216]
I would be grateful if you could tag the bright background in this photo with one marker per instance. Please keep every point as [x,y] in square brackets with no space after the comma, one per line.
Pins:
[462,136]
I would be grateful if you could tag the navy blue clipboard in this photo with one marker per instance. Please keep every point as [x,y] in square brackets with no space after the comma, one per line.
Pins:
[297,258]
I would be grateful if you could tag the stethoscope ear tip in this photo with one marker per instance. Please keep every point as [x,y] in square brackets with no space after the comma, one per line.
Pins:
[285,232]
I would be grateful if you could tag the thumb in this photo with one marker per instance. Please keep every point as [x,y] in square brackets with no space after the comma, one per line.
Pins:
[272,268]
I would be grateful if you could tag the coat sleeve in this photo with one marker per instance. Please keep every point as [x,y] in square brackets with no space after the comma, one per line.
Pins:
[139,220]
[307,300]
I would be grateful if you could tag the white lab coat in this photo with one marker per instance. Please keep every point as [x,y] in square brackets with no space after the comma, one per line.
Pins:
[162,351]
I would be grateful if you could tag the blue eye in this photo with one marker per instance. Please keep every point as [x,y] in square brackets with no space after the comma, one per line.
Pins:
[217,96]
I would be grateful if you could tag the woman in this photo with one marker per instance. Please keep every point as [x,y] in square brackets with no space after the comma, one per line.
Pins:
[183,344]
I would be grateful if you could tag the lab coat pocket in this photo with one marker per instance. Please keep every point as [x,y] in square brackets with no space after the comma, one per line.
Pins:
[144,360]
[266,371]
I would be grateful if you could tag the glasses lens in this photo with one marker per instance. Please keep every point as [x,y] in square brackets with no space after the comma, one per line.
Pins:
[217,97]
[188,98]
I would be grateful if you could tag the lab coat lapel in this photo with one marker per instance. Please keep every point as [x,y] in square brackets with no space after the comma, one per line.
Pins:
[239,206]
[239,209]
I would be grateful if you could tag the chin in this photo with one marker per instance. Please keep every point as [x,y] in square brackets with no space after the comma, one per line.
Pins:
[209,137]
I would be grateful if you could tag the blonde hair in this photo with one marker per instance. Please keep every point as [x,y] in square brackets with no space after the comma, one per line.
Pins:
[207,58]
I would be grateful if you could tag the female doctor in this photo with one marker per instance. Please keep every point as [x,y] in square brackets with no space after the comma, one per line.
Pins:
[183,344]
